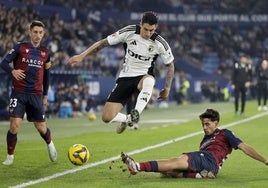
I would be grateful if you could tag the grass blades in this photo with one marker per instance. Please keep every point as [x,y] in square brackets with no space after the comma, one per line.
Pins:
[104,169]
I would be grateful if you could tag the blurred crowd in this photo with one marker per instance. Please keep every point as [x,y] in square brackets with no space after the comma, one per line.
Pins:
[69,101]
[182,6]
[190,41]
[194,42]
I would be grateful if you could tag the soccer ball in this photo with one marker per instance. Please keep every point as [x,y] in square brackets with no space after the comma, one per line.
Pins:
[92,117]
[78,154]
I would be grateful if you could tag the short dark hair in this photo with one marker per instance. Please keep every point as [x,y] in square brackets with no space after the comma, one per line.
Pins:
[211,114]
[37,23]
[150,18]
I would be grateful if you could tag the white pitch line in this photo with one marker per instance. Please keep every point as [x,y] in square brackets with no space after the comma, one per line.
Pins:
[90,165]
[165,121]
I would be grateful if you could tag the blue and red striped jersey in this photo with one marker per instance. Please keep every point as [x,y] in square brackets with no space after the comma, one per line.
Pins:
[35,61]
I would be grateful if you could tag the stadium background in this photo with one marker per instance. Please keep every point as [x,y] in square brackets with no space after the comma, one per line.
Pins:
[206,38]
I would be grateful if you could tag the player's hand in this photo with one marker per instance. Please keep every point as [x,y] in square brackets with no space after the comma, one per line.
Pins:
[18,74]
[45,100]
[164,93]
[266,162]
[74,60]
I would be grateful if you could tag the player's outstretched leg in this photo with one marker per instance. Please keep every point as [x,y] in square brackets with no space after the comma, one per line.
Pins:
[131,164]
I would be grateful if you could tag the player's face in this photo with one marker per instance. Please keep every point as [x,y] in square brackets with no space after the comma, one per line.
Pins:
[147,30]
[36,35]
[209,126]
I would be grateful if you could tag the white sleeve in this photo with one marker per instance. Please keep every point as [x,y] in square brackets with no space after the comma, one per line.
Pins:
[166,55]
[121,35]
[115,38]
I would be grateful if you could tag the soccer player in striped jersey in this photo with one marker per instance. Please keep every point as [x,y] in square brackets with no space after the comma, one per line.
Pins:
[142,47]
[216,145]
[30,72]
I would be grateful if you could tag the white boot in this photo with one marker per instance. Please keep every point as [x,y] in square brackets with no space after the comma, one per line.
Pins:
[52,151]
[9,160]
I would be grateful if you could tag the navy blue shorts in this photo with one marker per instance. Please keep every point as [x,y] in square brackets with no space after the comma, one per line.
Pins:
[200,160]
[31,104]
[124,89]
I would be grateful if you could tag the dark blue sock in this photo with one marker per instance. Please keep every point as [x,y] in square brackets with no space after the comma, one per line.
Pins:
[154,166]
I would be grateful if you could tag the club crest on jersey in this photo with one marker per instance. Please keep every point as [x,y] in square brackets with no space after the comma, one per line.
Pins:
[43,53]
[27,51]
[151,48]
[114,34]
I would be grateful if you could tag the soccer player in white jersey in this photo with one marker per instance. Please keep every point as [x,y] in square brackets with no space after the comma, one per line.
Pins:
[142,46]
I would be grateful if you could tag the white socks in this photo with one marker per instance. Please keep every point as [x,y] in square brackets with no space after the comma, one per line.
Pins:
[120,117]
[145,94]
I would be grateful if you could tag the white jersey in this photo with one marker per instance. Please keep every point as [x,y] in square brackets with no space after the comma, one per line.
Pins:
[140,53]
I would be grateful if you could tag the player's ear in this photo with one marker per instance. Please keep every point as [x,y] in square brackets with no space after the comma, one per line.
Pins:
[30,33]
[45,33]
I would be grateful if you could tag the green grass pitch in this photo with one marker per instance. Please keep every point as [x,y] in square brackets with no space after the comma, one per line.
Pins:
[32,167]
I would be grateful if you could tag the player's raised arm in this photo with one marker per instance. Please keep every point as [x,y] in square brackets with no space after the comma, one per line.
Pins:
[164,93]
[97,46]
[170,75]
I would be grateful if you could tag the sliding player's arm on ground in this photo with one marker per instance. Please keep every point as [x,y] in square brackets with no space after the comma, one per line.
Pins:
[250,151]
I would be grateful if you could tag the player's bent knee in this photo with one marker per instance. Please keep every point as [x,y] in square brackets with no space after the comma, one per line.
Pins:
[106,118]
[148,82]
